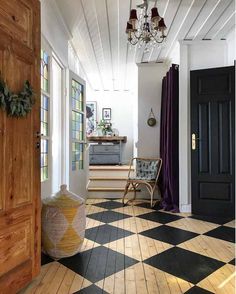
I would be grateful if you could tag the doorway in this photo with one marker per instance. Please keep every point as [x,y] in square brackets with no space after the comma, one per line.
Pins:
[213,141]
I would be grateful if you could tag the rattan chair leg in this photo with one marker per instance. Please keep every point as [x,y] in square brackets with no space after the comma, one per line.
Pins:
[152,194]
[125,192]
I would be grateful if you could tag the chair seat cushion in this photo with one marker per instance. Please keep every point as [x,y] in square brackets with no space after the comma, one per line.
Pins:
[146,169]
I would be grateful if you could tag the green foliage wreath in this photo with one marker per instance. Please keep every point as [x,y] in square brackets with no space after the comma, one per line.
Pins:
[16,105]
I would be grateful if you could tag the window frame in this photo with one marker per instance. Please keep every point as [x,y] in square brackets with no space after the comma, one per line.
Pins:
[73,76]
[46,48]
[82,113]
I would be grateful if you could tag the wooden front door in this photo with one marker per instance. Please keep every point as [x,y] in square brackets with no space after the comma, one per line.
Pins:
[213,141]
[19,147]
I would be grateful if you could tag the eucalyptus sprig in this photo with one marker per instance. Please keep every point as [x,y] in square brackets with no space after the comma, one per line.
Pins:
[16,105]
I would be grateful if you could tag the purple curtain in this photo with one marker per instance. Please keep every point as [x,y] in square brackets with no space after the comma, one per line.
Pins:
[169,140]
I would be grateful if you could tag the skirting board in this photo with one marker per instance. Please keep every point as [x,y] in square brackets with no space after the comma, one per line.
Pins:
[186,208]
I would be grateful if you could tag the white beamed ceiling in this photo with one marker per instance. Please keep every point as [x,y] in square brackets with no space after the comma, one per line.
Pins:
[98,34]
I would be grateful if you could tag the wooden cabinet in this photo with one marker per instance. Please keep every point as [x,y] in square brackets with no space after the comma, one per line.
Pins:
[105,150]
[105,154]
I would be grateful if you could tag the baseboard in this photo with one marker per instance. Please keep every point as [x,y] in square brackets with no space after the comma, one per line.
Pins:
[186,208]
[101,195]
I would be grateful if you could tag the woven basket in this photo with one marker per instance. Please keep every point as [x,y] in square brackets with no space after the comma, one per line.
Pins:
[63,224]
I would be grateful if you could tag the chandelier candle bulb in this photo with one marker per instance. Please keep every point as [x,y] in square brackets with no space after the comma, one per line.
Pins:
[155,17]
[133,18]
[162,27]
[133,15]
[129,28]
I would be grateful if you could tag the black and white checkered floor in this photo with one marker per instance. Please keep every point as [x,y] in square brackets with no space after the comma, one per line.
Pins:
[135,249]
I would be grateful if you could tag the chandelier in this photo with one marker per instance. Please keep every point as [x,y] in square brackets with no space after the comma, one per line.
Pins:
[146,30]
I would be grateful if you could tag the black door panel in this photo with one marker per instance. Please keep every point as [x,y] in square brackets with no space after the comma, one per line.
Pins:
[213,132]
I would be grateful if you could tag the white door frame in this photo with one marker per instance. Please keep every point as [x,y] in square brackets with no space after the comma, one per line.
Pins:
[76,180]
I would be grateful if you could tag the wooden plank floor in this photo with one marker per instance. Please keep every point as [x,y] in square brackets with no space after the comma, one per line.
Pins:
[145,238]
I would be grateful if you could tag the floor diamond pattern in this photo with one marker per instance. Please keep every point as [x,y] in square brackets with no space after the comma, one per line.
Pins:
[136,249]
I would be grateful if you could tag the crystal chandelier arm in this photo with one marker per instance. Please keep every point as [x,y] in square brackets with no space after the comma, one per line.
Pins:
[134,39]
[154,36]
[133,42]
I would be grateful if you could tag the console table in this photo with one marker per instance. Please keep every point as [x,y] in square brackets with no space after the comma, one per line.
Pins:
[105,150]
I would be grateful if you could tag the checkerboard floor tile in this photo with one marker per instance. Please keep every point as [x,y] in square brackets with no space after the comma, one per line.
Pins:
[211,247]
[135,225]
[193,225]
[185,264]
[169,234]
[106,233]
[109,204]
[160,217]
[93,289]
[143,250]
[232,261]
[213,219]
[98,263]
[223,233]
[197,290]
[108,216]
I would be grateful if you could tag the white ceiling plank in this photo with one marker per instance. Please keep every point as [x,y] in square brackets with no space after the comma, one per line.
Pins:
[220,22]
[81,33]
[188,20]
[226,28]
[212,19]
[178,22]
[68,10]
[229,31]
[130,64]
[124,9]
[88,66]
[205,13]
[99,27]
[89,13]
[113,10]
[191,17]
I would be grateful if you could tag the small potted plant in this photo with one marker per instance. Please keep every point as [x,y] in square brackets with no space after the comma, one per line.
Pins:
[105,127]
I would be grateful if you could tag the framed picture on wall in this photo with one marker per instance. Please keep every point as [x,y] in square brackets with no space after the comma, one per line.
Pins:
[106,113]
[91,116]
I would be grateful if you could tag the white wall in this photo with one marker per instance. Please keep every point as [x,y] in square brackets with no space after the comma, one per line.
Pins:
[149,96]
[54,30]
[231,41]
[206,54]
[122,104]
[193,56]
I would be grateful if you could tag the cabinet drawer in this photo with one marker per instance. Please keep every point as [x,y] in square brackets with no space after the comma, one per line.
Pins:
[104,159]
[106,149]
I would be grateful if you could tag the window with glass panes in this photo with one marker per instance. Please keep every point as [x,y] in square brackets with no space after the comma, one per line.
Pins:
[45,96]
[77,125]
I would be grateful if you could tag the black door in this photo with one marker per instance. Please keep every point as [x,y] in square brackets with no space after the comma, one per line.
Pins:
[213,141]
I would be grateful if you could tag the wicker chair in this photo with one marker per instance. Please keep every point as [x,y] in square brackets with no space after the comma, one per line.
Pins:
[146,172]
